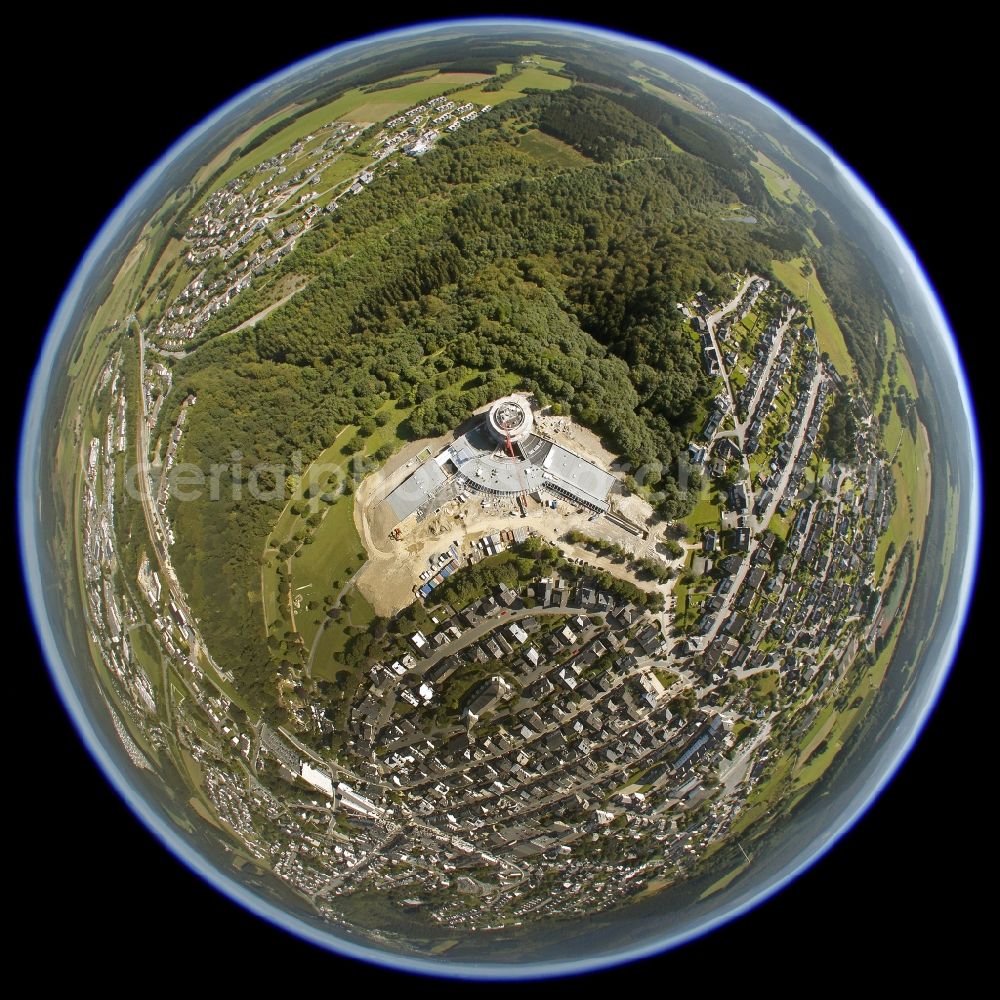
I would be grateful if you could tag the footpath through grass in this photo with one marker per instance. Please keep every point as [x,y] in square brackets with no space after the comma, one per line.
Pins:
[330,551]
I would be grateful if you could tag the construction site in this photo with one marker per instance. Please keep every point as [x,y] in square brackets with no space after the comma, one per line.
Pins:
[499,479]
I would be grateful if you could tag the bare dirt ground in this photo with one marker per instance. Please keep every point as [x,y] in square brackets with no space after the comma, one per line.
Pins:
[564,431]
[373,519]
[368,519]
[389,579]
[635,509]
[391,575]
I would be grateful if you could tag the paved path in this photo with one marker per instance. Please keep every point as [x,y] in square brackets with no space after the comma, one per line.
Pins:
[740,428]
[759,523]
[476,632]
[326,621]
[765,375]
[710,323]
[732,777]
[257,317]
[779,491]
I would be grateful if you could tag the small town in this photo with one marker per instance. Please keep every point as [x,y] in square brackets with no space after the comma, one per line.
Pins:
[248,226]
[565,699]
[596,728]
[498,499]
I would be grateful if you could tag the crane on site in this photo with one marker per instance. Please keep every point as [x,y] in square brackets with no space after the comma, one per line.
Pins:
[522,499]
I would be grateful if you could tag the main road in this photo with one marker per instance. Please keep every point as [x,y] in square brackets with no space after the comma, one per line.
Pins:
[760,523]
[740,428]
[154,524]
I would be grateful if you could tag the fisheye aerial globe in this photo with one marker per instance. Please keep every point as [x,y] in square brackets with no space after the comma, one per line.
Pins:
[499,498]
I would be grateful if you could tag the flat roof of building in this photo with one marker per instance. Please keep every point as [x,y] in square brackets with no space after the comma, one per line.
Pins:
[416,489]
[502,473]
[581,477]
[486,465]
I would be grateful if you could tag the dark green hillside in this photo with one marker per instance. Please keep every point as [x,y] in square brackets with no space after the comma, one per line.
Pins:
[691,132]
[597,127]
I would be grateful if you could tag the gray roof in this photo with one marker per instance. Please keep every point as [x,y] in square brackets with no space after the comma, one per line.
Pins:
[579,476]
[488,467]
[414,490]
[502,473]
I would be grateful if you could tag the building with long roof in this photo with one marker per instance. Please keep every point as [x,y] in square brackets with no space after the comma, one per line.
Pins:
[502,455]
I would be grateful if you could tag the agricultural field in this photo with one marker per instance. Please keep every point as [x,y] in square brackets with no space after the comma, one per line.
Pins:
[776,180]
[910,458]
[366,108]
[670,96]
[354,106]
[354,334]
[529,78]
[548,149]
[725,880]
[829,336]
[911,471]
[904,373]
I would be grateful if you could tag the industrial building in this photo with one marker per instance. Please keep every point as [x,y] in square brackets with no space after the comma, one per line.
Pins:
[502,456]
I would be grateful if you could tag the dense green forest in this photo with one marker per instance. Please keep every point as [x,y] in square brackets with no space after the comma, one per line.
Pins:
[394,84]
[455,273]
[597,127]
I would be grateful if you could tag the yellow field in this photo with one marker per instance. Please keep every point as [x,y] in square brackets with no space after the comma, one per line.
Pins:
[829,336]
[725,880]
[777,182]
[532,77]
[904,373]
[549,149]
